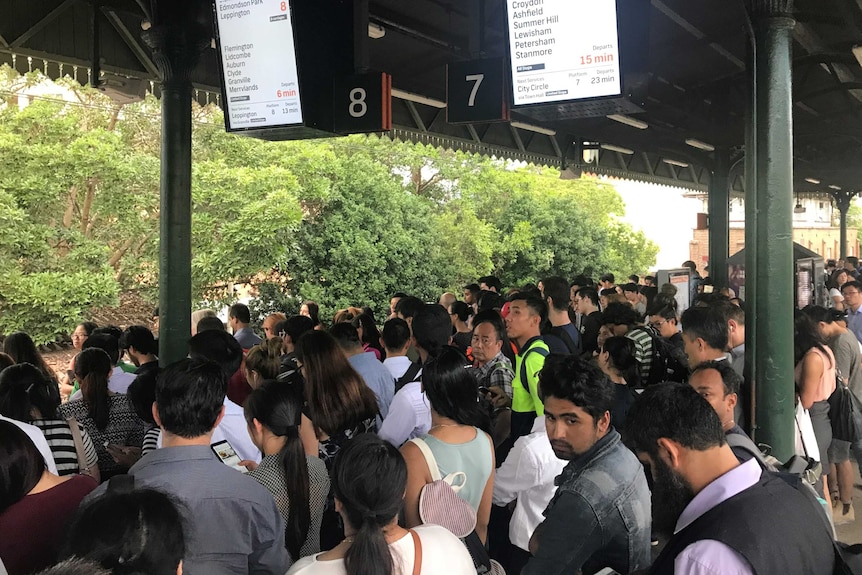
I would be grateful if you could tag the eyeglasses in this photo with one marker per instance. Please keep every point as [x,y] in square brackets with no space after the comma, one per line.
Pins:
[848,292]
[657,324]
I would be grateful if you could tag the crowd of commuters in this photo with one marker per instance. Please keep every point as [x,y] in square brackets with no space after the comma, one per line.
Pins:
[561,427]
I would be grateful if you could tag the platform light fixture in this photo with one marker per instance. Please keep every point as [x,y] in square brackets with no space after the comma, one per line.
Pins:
[814,181]
[857,51]
[532,128]
[700,145]
[834,187]
[376,31]
[620,149]
[417,98]
[676,163]
[633,122]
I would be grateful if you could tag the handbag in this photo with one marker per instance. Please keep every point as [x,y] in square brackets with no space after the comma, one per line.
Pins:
[440,504]
[78,440]
[845,412]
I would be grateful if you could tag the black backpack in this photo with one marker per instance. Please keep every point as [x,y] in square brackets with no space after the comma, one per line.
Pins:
[669,362]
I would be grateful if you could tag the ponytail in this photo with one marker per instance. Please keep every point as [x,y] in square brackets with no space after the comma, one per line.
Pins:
[369,553]
[92,368]
[298,486]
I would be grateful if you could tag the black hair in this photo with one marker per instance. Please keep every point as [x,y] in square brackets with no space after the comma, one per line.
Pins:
[345,334]
[189,396]
[105,341]
[19,345]
[493,317]
[621,352]
[279,408]
[461,310]
[451,389]
[140,338]
[90,327]
[534,302]
[370,333]
[22,467]
[241,312]
[558,290]
[432,328]
[661,309]
[581,281]
[635,279]
[142,394]
[492,282]
[819,313]
[589,293]
[674,411]
[490,300]
[806,336]
[92,369]
[369,478]
[209,323]
[474,288]
[112,330]
[22,387]
[573,379]
[620,314]
[854,284]
[409,306]
[313,312]
[295,326]
[218,346]
[139,531]
[732,380]
[706,323]
[631,287]
[608,277]
[396,333]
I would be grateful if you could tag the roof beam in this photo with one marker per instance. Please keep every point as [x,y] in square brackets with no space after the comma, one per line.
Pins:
[696,32]
[131,42]
[47,19]
[812,44]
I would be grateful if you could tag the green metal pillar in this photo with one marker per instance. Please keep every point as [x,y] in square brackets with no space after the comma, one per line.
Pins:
[774,269]
[177,37]
[719,217]
[843,199]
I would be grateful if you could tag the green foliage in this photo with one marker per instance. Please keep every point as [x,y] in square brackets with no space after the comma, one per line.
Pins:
[347,221]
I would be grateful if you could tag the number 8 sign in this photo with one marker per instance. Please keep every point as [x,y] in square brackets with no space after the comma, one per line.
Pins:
[363,103]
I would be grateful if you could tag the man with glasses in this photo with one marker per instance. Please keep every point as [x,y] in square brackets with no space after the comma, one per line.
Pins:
[852,292]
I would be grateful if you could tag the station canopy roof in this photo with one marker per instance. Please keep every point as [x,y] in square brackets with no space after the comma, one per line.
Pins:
[696,86]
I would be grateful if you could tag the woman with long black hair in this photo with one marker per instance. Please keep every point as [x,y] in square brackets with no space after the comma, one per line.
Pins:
[459,438]
[617,360]
[108,417]
[369,480]
[299,482]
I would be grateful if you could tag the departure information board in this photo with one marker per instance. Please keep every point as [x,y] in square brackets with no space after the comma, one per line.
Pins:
[563,50]
[258,58]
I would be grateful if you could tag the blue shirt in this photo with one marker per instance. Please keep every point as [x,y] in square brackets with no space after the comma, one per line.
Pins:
[377,377]
[854,322]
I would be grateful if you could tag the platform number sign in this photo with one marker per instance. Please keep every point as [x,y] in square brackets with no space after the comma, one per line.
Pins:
[363,103]
[476,92]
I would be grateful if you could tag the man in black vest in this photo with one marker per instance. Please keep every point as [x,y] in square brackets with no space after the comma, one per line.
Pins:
[725,516]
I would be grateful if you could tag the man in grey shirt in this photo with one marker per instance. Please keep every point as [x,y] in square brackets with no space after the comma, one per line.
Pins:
[232,523]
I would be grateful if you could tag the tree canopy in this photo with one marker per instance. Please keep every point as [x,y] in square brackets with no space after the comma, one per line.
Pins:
[342,221]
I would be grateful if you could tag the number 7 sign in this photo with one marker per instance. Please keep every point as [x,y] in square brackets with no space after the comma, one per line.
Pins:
[476,92]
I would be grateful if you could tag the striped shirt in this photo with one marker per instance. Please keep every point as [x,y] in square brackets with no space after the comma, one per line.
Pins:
[124,428]
[642,338]
[59,436]
[270,474]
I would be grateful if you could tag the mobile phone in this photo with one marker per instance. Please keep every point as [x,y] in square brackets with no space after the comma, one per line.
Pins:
[228,455]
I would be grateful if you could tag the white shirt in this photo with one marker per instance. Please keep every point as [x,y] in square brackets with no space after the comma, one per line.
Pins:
[528,475]
[38,438]
[442,554]
[233,429]
[118,382]
[409,415]
[397,365]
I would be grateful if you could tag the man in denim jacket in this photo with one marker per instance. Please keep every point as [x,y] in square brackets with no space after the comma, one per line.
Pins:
[600,515]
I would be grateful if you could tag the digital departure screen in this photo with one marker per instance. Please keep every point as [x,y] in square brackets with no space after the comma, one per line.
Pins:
[256,50]
[563,50]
